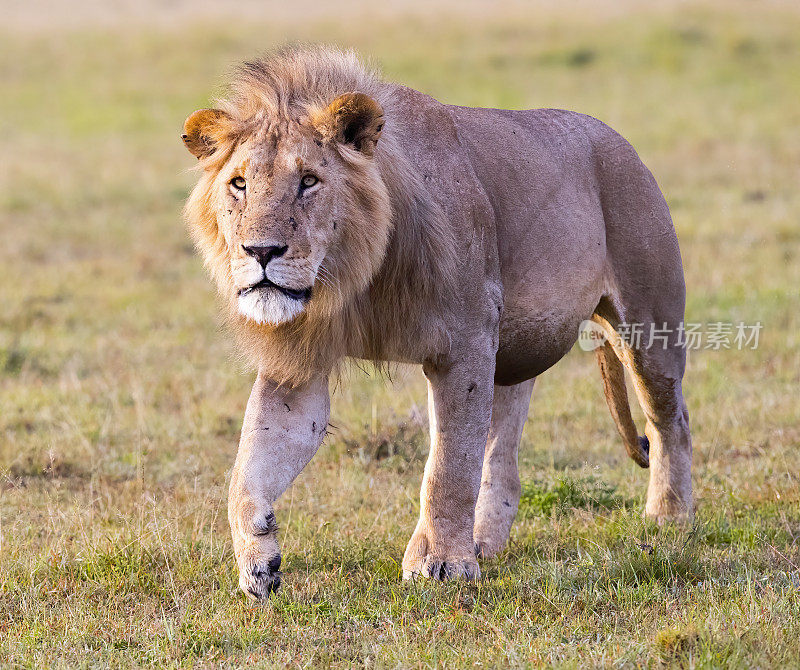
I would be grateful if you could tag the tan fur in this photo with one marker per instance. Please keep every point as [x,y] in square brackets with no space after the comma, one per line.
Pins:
[471,241]
[500,486]
[351,109]
[390,222]
[204,130]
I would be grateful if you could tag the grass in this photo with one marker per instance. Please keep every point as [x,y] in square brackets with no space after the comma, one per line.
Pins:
[121,398]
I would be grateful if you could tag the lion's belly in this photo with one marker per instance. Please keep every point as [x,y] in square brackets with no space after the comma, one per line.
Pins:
[549,287]
[532,343]
[541,318]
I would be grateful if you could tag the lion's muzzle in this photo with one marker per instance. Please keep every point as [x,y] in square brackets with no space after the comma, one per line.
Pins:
[303,294]
[268,279]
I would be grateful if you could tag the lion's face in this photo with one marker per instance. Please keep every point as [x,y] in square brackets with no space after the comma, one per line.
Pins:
[278,203]
[288,197]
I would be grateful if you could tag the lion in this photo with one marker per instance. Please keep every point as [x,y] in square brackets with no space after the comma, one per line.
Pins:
[343,216]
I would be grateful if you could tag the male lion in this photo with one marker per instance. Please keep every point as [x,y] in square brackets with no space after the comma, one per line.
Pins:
[343,216]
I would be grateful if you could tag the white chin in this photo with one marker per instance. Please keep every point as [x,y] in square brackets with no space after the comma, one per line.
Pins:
[269,306]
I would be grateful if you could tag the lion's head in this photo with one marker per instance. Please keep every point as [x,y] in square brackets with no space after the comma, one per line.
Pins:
[294,209]
[318,232]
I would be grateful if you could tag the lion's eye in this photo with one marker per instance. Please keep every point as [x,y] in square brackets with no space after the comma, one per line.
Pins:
[308,181]
[238,183]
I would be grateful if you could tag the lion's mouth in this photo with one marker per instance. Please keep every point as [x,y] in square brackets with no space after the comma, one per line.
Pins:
[303,294]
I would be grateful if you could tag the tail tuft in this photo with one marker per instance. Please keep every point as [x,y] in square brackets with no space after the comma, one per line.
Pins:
[639,452]
[642,458]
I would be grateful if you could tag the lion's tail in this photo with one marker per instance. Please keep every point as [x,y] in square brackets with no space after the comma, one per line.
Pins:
[613,373]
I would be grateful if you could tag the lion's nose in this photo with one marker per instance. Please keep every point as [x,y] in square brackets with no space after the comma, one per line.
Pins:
[265,254]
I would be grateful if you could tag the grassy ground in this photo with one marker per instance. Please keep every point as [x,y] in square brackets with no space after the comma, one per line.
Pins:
[121,398]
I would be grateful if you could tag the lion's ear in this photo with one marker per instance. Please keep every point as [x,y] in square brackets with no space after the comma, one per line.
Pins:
[352,118]
[203,130]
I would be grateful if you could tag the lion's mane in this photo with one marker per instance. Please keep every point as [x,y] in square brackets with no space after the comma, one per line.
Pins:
[395,262]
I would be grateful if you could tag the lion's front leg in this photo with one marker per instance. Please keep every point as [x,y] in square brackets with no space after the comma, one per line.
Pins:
[282,430]
[500,486]
[459,404]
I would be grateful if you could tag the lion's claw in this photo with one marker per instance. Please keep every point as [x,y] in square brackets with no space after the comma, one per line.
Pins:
[441,569]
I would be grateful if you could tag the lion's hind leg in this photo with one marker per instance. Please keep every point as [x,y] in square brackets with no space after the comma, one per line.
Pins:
[656,365]
[645,303]
[500,487]
[657,375]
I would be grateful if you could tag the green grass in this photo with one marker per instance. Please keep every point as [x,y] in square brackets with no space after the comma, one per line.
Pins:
[121,397]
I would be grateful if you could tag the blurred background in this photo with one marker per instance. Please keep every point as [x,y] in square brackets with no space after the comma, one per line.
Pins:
[121,396]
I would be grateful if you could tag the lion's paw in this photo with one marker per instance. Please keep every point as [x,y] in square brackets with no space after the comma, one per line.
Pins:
[262,578]
[669,509]
[422,560]
[491,534]
[670,517]
[488,548]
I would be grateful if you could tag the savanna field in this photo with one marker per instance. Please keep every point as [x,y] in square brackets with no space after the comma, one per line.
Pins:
[121,395]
